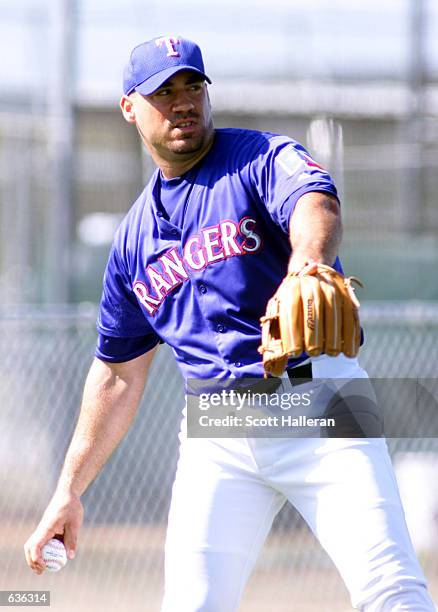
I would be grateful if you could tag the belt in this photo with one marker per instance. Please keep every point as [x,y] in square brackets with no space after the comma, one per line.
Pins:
[300,374]
[264,385]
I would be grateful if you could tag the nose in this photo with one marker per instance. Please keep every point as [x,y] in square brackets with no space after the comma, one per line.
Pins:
[183,103]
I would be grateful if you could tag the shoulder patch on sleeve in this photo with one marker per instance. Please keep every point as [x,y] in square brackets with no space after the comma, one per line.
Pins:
[289,161]
[293,161]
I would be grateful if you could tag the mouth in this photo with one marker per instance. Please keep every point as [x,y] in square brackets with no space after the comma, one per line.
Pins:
[184,126]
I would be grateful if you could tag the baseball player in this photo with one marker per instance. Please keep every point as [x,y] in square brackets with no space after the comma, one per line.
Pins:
[228,214]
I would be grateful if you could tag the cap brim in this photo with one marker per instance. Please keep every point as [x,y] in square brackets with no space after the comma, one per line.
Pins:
[155,81]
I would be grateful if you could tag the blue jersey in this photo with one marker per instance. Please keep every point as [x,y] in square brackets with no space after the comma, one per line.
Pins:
[196,259]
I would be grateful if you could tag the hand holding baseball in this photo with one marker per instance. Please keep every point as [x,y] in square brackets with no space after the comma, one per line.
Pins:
[63,516]
[54,555]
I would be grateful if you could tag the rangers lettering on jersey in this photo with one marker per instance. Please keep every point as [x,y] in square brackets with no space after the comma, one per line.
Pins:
[211,244]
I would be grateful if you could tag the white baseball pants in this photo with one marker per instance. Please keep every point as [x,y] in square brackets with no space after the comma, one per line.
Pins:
[228,491]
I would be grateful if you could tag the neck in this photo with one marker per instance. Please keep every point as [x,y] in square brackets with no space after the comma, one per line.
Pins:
[171,168]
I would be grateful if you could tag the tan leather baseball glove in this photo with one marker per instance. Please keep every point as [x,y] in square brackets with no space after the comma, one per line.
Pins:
[315,311]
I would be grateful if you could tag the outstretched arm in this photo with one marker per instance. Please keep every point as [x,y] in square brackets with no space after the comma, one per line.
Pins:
[111,396]
[315,230]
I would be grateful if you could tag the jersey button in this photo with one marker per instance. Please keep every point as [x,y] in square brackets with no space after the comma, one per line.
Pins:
[159,213]
[174,232]
[221,328]
[237,364]
[202,288]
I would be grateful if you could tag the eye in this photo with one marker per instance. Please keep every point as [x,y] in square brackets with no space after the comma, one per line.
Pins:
[195,87]
[162,92]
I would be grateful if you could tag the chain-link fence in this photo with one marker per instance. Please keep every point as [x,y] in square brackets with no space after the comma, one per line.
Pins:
[119,566]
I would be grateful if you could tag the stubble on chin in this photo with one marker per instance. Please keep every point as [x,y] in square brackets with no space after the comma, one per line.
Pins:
[186,148]
[189,145]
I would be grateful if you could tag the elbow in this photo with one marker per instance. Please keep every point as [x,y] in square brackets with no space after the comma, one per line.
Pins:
[331,205]
[332,209]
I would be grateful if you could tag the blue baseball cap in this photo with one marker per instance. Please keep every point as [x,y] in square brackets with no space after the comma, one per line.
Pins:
[156,60]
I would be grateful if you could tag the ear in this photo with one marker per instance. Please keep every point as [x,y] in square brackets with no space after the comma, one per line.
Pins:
[127,107]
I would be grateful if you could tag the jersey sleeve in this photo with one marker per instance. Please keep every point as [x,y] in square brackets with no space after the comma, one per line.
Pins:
[284,173]
[124,332]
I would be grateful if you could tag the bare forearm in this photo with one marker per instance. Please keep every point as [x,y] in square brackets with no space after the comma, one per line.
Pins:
[109,406]
[315,230]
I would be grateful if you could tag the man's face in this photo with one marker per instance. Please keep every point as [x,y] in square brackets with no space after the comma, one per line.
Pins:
[175,121]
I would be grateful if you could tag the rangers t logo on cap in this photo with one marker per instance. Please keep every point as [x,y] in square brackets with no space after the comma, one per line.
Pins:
[169,42]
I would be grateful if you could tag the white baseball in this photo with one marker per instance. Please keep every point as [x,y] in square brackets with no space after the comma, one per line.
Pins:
[54,555]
